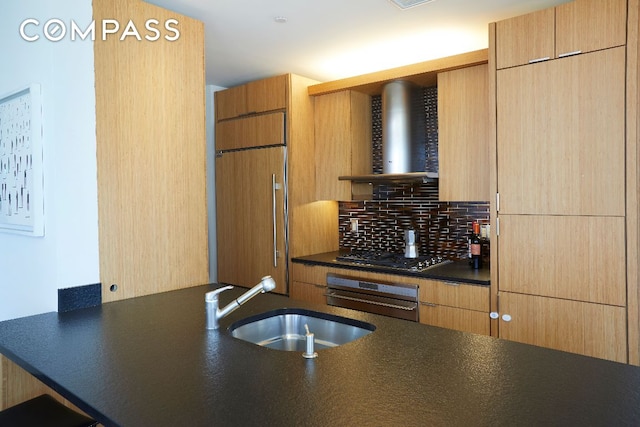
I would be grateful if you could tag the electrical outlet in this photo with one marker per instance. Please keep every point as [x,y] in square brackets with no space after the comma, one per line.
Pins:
[354,225]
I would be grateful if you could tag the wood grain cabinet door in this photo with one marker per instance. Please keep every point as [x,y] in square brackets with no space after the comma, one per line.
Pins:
[267,94]
[525,38]
[254,97]
[463,133]
[579,258]
[579,26]
[595,330]
[230,102]
[251,131]
[588,25]
[309,283]
[245,221]
[454,305]
[561,136]
[308,292]
[342,128]
[459,319]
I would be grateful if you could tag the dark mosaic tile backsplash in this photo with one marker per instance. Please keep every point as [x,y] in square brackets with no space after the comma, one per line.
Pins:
[443,227]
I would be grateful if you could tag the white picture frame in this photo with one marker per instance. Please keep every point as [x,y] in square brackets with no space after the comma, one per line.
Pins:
[21,158]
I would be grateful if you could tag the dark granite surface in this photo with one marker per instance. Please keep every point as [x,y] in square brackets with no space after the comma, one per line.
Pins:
[149,361]
[459,271]
[79,297]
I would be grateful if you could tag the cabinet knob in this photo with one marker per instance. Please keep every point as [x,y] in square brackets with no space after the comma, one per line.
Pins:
[494,315]
[506,317]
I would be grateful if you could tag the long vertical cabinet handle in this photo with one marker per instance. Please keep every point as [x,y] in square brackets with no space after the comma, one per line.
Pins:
[274,186]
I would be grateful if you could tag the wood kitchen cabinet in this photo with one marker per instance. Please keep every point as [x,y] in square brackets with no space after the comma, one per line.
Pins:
[525,38]
[571,257]
[254,97]
[342,126]
[590,25]
[280,114]
[251,131]
[463,134]
[564,174]
[579,26]
[561,136]
[595,330]
[309,283]
[561,214]
[451,305]
[455,305]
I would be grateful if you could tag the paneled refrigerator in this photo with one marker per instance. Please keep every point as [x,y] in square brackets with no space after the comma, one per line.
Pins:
[251,200]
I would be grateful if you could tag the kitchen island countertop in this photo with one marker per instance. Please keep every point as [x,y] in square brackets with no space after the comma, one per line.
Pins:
[149,361]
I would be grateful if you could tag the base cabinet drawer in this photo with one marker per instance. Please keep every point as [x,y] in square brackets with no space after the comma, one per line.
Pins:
[308,283]
[460,319]
[309,292]
[455,305]
[309,274]
[455,294]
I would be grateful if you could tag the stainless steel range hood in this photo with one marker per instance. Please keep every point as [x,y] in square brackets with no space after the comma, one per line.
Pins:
[403,137]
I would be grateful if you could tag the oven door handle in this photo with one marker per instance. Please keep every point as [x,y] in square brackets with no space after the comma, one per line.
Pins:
[366,301]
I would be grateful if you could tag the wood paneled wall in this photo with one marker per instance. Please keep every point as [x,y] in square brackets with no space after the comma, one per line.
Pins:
[312,225]
[150,108]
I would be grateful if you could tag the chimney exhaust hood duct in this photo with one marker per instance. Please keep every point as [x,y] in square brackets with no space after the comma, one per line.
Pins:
[402,144]
[403,136]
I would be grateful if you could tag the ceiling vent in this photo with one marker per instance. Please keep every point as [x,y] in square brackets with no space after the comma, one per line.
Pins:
[406,4]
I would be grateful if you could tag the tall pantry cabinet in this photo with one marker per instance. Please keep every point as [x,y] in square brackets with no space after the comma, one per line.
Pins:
[265,182]
[564,81]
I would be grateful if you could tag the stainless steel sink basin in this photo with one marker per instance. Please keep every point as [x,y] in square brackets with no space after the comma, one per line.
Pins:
[284,329]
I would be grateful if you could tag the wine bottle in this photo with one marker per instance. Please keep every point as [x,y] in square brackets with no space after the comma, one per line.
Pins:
[476,247]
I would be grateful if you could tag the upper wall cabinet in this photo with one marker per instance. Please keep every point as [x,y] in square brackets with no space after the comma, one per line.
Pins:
[526,38]
[343,142]
[252,131]
[343,125]
[576,27]
[463,134]
[588,25]
[254,97]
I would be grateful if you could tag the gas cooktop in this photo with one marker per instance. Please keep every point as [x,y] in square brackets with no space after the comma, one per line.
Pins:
[391,260]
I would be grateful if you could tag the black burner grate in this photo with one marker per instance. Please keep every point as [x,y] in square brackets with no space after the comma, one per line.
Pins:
[390,260]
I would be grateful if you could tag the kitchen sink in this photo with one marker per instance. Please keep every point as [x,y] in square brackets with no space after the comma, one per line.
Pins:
[284,329]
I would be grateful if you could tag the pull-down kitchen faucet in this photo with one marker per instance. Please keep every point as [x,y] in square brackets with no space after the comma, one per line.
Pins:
[214,314]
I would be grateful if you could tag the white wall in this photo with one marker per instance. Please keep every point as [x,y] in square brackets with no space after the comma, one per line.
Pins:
[33,268]
[211,182]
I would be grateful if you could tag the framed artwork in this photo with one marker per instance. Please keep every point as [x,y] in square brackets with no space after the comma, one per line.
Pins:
[21,177]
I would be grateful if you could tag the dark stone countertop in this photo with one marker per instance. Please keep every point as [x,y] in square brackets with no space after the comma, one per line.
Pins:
[149,361]
[458,271]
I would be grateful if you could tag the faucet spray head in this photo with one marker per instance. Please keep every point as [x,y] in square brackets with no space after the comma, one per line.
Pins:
[268,284]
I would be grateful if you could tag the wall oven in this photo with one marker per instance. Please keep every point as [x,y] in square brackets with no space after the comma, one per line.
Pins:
[398,300]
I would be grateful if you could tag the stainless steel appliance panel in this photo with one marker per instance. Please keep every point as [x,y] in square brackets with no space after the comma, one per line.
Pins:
[388,299]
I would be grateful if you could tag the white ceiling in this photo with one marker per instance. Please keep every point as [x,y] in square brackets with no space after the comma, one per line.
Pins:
[332,39]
